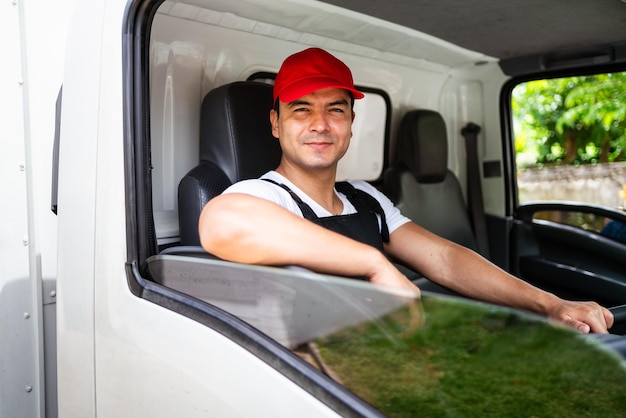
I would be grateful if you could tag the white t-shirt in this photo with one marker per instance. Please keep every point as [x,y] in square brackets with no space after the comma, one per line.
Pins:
[272,192]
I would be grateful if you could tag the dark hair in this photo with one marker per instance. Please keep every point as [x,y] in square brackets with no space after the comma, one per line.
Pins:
[277,105]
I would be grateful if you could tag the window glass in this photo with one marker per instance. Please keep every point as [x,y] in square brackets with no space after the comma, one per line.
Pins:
[570,141]
[428,357]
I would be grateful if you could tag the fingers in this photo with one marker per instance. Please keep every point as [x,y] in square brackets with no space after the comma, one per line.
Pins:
[400,281]
[581,327]
[608,317]
[587,317]
[417,294]
[390,276]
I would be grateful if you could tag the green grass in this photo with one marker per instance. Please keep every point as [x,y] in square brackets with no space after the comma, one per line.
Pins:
[466,361]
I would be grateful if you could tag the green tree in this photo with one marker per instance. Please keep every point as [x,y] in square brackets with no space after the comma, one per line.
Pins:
[572,120]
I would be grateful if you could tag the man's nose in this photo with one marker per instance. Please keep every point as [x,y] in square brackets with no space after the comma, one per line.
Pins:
[319,122]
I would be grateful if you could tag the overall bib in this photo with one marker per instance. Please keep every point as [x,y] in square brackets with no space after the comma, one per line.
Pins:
[361,226]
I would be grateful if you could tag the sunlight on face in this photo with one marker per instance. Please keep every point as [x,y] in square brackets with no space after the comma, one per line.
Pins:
[315,130]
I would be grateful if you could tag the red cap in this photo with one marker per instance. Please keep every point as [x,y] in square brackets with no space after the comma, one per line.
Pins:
[310,70]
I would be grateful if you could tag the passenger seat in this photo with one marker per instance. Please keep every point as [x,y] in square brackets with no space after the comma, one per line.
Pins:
[420,184]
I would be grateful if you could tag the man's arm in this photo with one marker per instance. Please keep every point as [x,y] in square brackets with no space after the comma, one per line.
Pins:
[467,273]
[247,229]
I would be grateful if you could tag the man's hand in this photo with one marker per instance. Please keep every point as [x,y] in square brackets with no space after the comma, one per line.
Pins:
[390,276]
[584,317]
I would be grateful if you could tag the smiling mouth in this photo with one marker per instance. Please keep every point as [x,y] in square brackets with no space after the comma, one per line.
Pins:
[318,144]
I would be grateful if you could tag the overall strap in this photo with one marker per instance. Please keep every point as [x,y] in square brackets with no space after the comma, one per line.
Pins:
[307,212]
[364,201]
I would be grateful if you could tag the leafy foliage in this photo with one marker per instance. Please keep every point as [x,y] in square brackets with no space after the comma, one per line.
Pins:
[572,120]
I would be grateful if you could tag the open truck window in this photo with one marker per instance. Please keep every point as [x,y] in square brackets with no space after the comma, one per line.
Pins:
[570,143]
[569,166]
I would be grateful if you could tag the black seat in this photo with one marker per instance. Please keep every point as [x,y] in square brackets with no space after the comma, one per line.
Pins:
[420,184]
[236,143]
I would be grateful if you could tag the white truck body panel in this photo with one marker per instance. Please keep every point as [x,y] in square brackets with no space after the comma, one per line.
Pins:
[34,34]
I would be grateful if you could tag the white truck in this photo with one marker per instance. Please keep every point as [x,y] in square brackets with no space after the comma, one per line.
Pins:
[106,310]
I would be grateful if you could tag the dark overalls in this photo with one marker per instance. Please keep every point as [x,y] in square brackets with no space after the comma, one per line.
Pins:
[361,226]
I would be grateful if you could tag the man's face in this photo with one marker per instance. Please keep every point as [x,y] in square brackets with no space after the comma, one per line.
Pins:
[314,130]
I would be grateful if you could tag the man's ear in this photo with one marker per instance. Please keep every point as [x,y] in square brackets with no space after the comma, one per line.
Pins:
[274,122]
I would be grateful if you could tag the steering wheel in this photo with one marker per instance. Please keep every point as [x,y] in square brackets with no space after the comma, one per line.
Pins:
[619,323]
[615,341]
[619,313]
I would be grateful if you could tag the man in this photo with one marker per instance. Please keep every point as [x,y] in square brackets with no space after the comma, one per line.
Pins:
[296,216]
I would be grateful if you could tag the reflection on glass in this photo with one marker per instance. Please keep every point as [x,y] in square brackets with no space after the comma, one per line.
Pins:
[430,357]
[469,360]
[586,221]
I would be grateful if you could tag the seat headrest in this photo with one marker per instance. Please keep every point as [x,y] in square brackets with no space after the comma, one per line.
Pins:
[235,130]
[423,145]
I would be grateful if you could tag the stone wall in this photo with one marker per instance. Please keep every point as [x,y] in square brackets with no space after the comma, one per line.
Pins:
[603,184]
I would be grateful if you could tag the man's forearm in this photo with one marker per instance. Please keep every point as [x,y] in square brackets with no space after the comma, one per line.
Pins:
[464,271]
[248,229]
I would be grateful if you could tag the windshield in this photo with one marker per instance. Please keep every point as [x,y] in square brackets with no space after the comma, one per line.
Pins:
[431,357]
